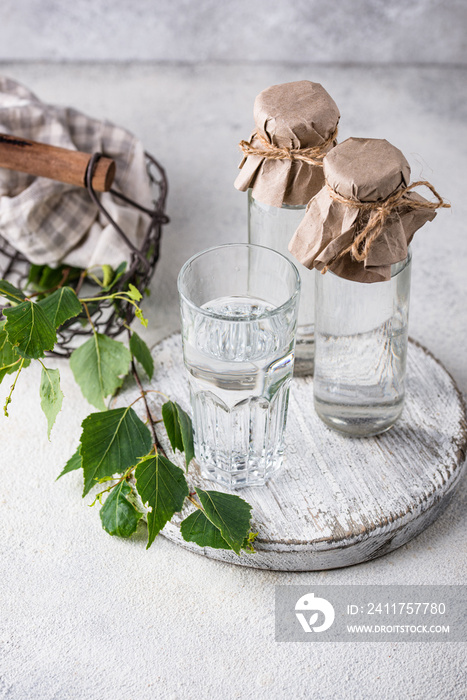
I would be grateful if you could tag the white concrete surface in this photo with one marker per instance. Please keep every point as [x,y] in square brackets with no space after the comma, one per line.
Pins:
[83,615]
[361,31]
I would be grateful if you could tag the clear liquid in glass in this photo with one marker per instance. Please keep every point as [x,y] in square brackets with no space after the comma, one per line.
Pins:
[240,362]
[361,336]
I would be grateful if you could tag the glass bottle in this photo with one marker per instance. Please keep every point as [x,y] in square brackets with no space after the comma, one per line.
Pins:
[360,351]
[273,227]
[295,126]
[356,231]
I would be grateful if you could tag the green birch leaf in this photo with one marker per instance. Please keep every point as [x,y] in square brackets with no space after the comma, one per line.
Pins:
[99,367]
[43,277]
[179,429]
[74,463]
[229,514]
[9,357]
[51,396]
[170,418]
[111,442]
[107,275]
[197,528]
[141,352]
[118,515]
[134,293]
[162,487]
[119,272]
[29,330]
[186,429]
[61,305]
[34,274]
[10,292]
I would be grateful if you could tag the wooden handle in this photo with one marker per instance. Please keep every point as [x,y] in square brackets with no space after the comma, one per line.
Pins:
[53,162]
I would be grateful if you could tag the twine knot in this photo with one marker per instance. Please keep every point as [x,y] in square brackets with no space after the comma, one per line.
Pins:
[313,155]
[379,212]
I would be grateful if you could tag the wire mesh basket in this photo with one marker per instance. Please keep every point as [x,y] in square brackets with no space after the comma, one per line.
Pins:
[108,316]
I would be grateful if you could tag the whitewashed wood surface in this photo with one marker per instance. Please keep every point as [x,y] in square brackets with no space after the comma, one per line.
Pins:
[338,501]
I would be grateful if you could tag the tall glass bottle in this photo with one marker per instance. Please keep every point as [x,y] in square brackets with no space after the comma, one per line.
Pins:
[361,335]
[296,125]
[356,232]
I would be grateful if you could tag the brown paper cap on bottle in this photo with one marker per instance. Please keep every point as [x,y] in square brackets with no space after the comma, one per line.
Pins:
[292,115]
[364,170]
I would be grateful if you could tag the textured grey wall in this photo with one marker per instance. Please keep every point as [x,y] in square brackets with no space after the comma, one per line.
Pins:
[355,31]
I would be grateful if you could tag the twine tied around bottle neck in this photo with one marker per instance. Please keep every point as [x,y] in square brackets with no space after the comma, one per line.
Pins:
[313,155]
[379,212]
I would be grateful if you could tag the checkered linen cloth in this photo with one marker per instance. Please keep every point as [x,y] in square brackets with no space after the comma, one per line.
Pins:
[51,222]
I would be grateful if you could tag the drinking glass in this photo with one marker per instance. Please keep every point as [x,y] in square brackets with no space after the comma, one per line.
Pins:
[238,308]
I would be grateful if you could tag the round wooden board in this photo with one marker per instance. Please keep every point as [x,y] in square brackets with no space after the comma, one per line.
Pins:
[338,501]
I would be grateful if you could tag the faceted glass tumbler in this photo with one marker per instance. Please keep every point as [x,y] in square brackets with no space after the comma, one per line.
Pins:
[361,336]
[274,227]
[238,307]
